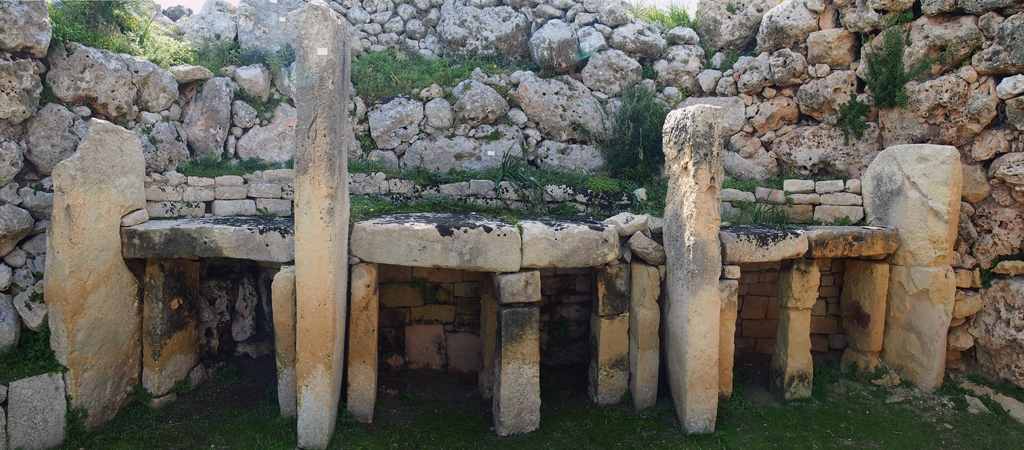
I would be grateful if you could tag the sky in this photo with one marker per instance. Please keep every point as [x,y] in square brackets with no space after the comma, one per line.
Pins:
[196,5]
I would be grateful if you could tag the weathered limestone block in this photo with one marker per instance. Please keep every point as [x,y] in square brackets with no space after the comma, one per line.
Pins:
[920,307]
[36,409]
[609,358]
[488,337]
[95,326]
[611,291]
[729,290]
[798,284]
[257,239]
[851,242]
[1000,342]
[321,216]
[745,244]
[520,287]
[170,323]
[362,342]
[453,240]
[568,244]
[517,371]
[645,248]
[916,189]
[693,259]
[463,353]
[792,368]
[644,341]
[283,303]
[862,304]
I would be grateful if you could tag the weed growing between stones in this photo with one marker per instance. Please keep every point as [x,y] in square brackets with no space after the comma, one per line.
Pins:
[668,17]
[852,118]
[886,76]
[633,150]
[211,166]
[32,356]
[141,395]
[182,386]
[755,213]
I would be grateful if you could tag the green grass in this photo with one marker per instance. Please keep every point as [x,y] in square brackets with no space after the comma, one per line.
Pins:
[32,356]
[211,166]
[668,17]
[759,213]
[632,150]
[852,115]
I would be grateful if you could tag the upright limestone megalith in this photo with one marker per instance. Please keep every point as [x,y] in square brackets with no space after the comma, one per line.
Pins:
[282,301]
[91,296]
[321,219]
[693,159]
[916,188]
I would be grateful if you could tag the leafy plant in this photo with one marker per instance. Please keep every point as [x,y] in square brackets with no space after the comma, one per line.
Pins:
[844,221]
[852,115]
[492,136]
[633,149]
[758,213]
[32,356]
[216,165]
[886,76]
[668,17]
[731,8]
[182,386]
[141,395]
[227,375]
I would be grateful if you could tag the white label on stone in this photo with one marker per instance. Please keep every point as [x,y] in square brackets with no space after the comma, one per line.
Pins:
[281,19]
[321,51]
[490,153]
[273,1]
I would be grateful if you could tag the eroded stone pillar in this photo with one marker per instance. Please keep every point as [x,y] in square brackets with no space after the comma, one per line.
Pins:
[792,368]
[91,296]
[730,292]
[609,334]
[282,300]
[516,406]
[362,342]
[488,339]
[916,188]
[644,343]
[321,218]
[862,308]
[692,142]
[170,323]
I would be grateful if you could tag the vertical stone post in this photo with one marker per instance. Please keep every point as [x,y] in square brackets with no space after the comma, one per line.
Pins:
[170,323]
[91,296]
[516,403]
[792,368]
[916,188]
[282,300]
[692,143]
[862,306]
[488,340]
[644,343]
[362,342]
[730,292]
[609,334]
[321,219]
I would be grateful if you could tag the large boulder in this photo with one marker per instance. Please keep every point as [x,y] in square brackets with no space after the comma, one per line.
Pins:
[254,81]
[638,40]
[786,25]
[12,160]
[266,24]
[786,67]
[36,410]
[439,113]
[214,24]
[1006,54]
[164,147]
[820,98]
[274,142]
[722,29]
[562,108]
[1000,232]
[209,117]
[110,82]
[15,224]
[754,73]
[439,152]
[610,71]
[759,166]
[858,16]
[19,89]
[25,27]
[500,30]
[157,87]
[395,120]
[680,67]
[997,327]
[773,114]
[53,135]
[823,149]
[916,188]
[10,326]
[555,47]
[955,37]
[944,110]
[478,103]
[835,47]
[561,157]
[1008,170]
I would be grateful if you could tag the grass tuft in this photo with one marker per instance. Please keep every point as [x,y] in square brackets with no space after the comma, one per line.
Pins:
[211,166]
[32,356]
[633,151]
[668,17]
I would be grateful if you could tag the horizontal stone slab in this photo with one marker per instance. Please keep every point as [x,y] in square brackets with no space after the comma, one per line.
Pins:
[752,244]
[454,241]
[568,244]
[259,239]
[851,242]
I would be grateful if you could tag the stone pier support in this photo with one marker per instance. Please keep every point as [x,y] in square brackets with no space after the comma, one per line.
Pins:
[644,343]
[692,142]
[609,334]
[488,340]
[792,368]
[730,292]
[170,323]
[91,296]
[282,300]
[516,406]
[916,189]
[362,342]
[862,306]
[321,218]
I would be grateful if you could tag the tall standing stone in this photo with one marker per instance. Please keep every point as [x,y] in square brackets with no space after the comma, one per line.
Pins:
[917,322]
[730,291]
[516,406]
[692,143]
[862,308]
[91,296]
[488,339]
[321,219]
[362,342]
[792,368]
[282,301]
[170,323]
[644,343]
[609,358]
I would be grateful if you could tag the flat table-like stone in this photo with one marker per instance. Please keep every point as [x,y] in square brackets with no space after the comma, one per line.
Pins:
[568,243]
[753,244]
[258,239]
[851,242]
[445,240]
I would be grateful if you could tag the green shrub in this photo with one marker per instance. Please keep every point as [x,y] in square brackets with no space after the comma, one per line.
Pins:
[886,77]
[182,386]
[141,395]
[759,213]
[668,17]
[211,166]
[852,115]
[32,356]
[633,149]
